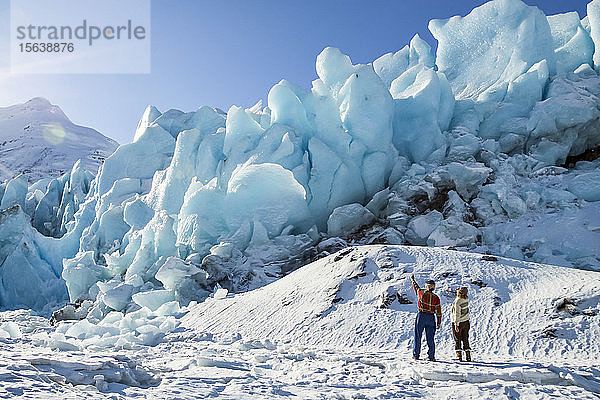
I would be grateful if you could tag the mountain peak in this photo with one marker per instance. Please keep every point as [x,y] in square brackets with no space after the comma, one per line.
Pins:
[29,143]
[39,102]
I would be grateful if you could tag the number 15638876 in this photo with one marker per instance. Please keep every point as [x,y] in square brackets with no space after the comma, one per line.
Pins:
[46,47]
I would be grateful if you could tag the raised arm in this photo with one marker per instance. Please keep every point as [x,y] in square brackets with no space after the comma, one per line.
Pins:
[414,283]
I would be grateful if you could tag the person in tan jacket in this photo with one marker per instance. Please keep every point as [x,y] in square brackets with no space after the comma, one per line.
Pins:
[460,324]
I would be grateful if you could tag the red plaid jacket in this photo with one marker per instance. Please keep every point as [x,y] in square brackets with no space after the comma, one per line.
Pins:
[428,302]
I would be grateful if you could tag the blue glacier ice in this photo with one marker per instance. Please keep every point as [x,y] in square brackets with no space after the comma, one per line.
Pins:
[431,148]
[573,46]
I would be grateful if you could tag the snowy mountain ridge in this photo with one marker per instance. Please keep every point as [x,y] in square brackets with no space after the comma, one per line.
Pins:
[38,140]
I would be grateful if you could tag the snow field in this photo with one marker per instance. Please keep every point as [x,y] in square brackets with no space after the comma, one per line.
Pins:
[313,347]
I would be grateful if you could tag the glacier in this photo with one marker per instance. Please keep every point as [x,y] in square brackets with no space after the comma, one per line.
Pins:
[444,149]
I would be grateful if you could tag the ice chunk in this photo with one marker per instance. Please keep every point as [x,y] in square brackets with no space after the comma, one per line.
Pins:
[180,172]
[392,65]
[287,108]
[153,299]
[330,174]
[586,186]
[424,106]
[557,197]
[133,161]
[464,147]
[453,232]
[518,98]
[170,308]
[27,276]
[174,271]
[80,273]
[388,236]
[505,198]
[54,213]
[420,227]
[150,115]
[366,108]
[14,193]
[379,201]
[242,132]
[118,297]
[267,192]
[347,219]
[516,37]
[333,67]
[468,179]
[72,311]
[572,43]
[200,221]
[10,330]
[137,214]
[220,293]
[593,11]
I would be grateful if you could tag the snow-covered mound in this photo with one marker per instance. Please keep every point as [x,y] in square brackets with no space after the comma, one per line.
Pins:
[38,140]
[362,297]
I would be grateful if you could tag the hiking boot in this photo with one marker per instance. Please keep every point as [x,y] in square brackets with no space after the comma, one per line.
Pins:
[415,358]
[468,355]
[459,355]
[431,359]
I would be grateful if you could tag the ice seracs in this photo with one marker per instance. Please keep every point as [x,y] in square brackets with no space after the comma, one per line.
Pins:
[516,37]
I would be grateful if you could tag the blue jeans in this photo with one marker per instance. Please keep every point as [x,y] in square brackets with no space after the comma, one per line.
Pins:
[425,322]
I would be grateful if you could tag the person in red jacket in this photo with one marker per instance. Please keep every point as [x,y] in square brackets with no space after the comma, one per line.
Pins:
[429,308]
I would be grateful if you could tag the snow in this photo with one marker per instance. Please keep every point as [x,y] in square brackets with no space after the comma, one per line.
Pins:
[38,140]
[345,333]
[342,307]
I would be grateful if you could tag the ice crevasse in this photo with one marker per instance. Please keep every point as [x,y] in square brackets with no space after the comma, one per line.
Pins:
[235,199]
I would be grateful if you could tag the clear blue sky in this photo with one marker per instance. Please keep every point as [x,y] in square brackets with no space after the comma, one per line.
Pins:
[225,52]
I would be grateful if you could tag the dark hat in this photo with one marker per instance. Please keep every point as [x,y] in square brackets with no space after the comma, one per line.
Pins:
[430,282]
